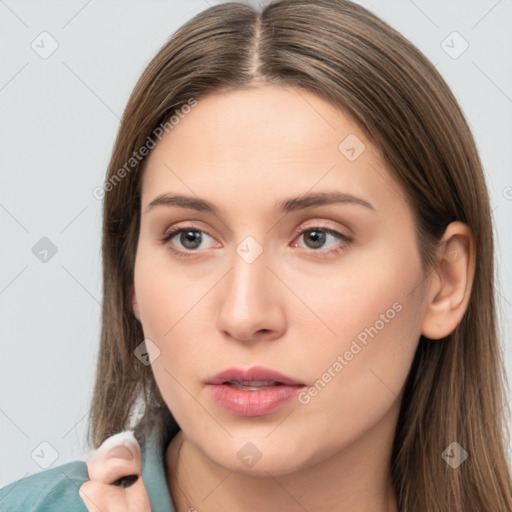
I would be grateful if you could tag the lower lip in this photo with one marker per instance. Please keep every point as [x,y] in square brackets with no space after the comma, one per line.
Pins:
[252,403]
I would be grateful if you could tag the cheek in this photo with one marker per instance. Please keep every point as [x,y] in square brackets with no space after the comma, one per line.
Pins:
[165,293]
[361,370]
[171,305]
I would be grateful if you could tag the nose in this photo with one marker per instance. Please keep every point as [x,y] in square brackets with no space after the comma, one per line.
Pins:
[250,305]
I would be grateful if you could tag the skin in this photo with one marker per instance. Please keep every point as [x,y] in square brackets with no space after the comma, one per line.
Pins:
[105,466]
[294,309]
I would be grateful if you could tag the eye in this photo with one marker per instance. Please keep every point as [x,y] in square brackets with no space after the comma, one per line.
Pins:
[317,238]
[189,238]
[192,240]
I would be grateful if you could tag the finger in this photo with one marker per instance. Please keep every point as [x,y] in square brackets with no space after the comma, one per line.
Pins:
[100,497]
[118,457]
[137,497]
[115,477]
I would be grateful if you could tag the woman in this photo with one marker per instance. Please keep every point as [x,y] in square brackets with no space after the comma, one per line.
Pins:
[297,225]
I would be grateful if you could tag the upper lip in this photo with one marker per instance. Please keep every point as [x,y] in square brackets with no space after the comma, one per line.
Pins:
[253,374]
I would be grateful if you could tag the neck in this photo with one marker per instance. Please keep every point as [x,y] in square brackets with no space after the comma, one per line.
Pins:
[355,479]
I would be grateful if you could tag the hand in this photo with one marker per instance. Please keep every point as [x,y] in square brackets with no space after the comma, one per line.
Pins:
[115,481]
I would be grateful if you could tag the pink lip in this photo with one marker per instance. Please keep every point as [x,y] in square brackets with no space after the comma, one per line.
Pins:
[242,402]
[253,373]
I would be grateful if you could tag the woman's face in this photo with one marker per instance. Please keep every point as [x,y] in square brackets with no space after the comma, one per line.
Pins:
[285,316]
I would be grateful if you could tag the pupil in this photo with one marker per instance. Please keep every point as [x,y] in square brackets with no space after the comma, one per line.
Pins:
[189,239]
[317,237]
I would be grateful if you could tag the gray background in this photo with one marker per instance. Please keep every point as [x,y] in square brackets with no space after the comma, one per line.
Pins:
[59,117]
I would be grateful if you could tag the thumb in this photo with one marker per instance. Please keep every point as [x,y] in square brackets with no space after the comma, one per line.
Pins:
[117,458]
[115,474]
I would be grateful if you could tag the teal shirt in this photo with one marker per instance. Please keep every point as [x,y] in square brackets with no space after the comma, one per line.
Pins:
[56,489]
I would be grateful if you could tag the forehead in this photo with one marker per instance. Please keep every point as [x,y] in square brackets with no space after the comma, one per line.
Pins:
[267,140]
[283,118]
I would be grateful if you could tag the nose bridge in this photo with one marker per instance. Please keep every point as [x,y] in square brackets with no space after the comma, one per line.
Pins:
[247,280]
[248,303]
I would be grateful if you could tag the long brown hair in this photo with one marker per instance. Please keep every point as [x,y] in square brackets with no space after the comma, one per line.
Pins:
[455,391]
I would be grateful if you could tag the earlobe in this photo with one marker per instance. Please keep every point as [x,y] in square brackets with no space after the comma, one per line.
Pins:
[450,283]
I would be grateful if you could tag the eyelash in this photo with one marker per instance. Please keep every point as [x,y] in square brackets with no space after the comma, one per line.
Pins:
[169,235]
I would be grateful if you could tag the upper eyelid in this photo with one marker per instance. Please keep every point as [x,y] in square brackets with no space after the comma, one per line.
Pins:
[302,227]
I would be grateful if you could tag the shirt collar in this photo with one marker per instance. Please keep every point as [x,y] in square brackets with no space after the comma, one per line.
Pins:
[154,437]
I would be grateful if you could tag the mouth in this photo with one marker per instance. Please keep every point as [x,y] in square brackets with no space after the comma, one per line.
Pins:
[255,385]
[256,391]
[256,376]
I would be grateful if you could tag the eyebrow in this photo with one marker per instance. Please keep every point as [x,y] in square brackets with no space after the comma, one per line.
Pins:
[310,200]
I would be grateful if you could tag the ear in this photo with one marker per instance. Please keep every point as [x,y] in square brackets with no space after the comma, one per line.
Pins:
[135,306]
[450,282]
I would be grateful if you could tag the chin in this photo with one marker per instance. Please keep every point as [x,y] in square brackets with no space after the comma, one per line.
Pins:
[259,459]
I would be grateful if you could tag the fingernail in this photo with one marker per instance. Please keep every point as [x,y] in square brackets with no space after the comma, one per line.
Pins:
[121,452]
